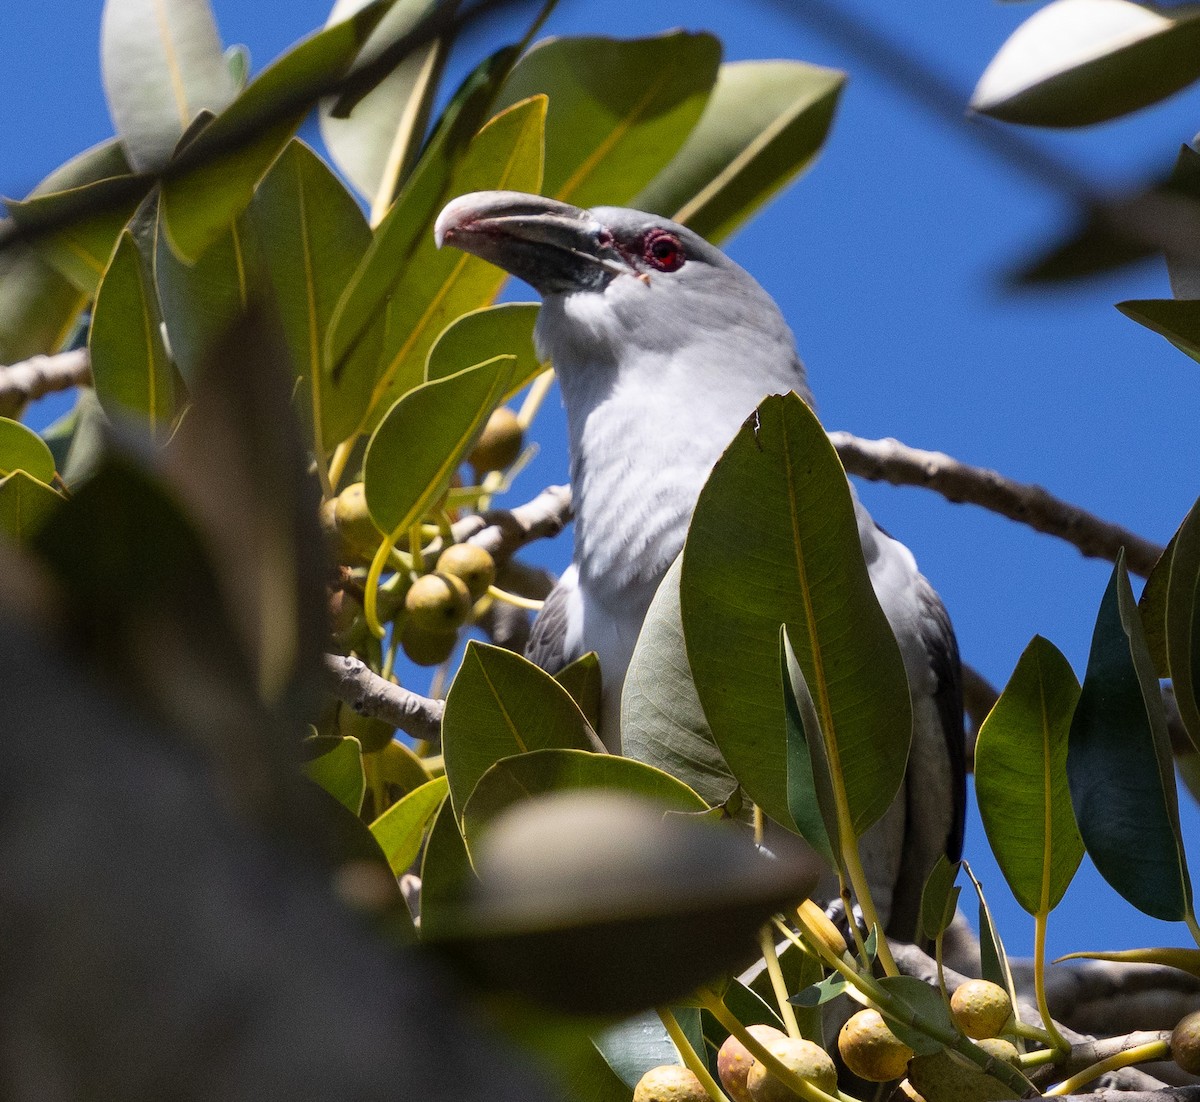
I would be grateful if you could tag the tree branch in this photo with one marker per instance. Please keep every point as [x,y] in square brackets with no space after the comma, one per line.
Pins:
[891,461]
[356,684]
[40,375]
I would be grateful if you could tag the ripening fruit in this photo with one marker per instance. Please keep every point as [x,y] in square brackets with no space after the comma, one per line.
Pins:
[822,926]
[427,648]
[437,603]
[669,1083]
[806,1059]
[357,536]
[734,1060]
[500,443]
[471,564]
[1000,1049]
[372,734]
[981,1008]
[1185,1043]
[871,1050]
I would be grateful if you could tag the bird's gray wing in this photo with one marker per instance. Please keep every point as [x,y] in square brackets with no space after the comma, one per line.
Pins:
[548,644]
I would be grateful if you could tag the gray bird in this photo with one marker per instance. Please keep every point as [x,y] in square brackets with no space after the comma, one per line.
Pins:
[663,346]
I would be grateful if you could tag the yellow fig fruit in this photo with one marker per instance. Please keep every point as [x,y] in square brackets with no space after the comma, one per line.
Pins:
[1185,1043]
[669,1083]
[357,536]
[437,603]
[807,1060]
[1000,1049]
[427,648]
[734,1060]
[981,1008]
[500,443]
[472,565]
[871,1050]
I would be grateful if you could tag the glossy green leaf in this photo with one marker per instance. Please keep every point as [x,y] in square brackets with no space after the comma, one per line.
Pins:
[1176,319]
[662,722]
[811,801]
[635,1045]
[1021,778]
[763,125]
[38,306]
[25,505]
[430,287]
[162,64]
[1119,765]
[922,1002]
[81,249]
[446,877]
[619,108]
[524,775]
[793,558]
[384,130]
[1186,960]
[313,235]
[1183,622]
[409,224]
[339,770]
[993,961]
[1076,62]
[201,301]
[581,679]
[199,203]
[499,705]
[419,444]
[939,898]
[21,449]
[130,366]
[400,830]
[506,328]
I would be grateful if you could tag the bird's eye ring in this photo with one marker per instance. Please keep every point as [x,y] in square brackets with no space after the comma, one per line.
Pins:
[663,251]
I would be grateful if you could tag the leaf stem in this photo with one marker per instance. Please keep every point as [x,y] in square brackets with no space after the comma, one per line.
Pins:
[1139,1054]
[778,986]
[337,464]
[689,1055]
[515,599]
[1057,1041]
[538,390]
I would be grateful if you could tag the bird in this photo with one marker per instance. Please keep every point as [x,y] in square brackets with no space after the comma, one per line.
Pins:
[662,346]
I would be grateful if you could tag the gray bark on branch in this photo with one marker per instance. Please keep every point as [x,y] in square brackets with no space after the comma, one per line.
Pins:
[356,684]
[40,375]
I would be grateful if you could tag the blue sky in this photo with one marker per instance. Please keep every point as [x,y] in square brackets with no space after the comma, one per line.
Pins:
[887,260]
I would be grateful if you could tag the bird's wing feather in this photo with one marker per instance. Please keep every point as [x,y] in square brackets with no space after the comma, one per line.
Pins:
[550,645]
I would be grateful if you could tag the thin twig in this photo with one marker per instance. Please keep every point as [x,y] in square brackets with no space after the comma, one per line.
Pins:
[891,461]
[41,375]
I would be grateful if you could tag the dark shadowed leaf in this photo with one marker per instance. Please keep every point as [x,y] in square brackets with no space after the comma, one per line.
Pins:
[25,504]
[537,772]
[199,204]
[939,899]
[38,306]
[993,960]
[21,449]
[763,125]
[581,679]
[1076,62]
[499,705]
[811,802]
[1096,244]
[619,108]
[1152,607]
[939,1077]
[808,573]
[400,830]
[420,443]
[624,905]
[1176,319]
[129,359]
[338,769]
[312,237]
[662,722]
[1183,622]
[446,876]
[1021,778]
[434,286]
[506,328]
[1119,764]
[162,64]
[922,1002]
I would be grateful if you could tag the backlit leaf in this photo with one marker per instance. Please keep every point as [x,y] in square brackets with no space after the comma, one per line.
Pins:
[339,770]
[25,504]
[506,328]
[1176,319]
[400,830]
[38,306]
[21,449]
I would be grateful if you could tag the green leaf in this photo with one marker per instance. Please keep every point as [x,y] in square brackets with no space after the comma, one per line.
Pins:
[1176,319]
[81,249]
[811,802]
[635,1045]
[662,722]
[162,64]
[400,829]
[939,898]
[129,359]
[945,1077]
[421,288]
[763,125]
[499,705]
[1119,765]
[38,307]
[524,775]
[1021,779]
[21,449]
[399,235]
[388,123]
[201,301]
[506,328]
[923,1003]
[619,108]
[807,571]
[313,235]
[339,770]
[76,440]
[419,444]
[25,504]
[1152,607]
[446,877]
[198,204]
[1186,960]
[1183,622]
[581,679]
[993,960]
[1076,62]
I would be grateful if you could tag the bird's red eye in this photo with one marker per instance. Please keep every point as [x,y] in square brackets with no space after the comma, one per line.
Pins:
[663,250]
